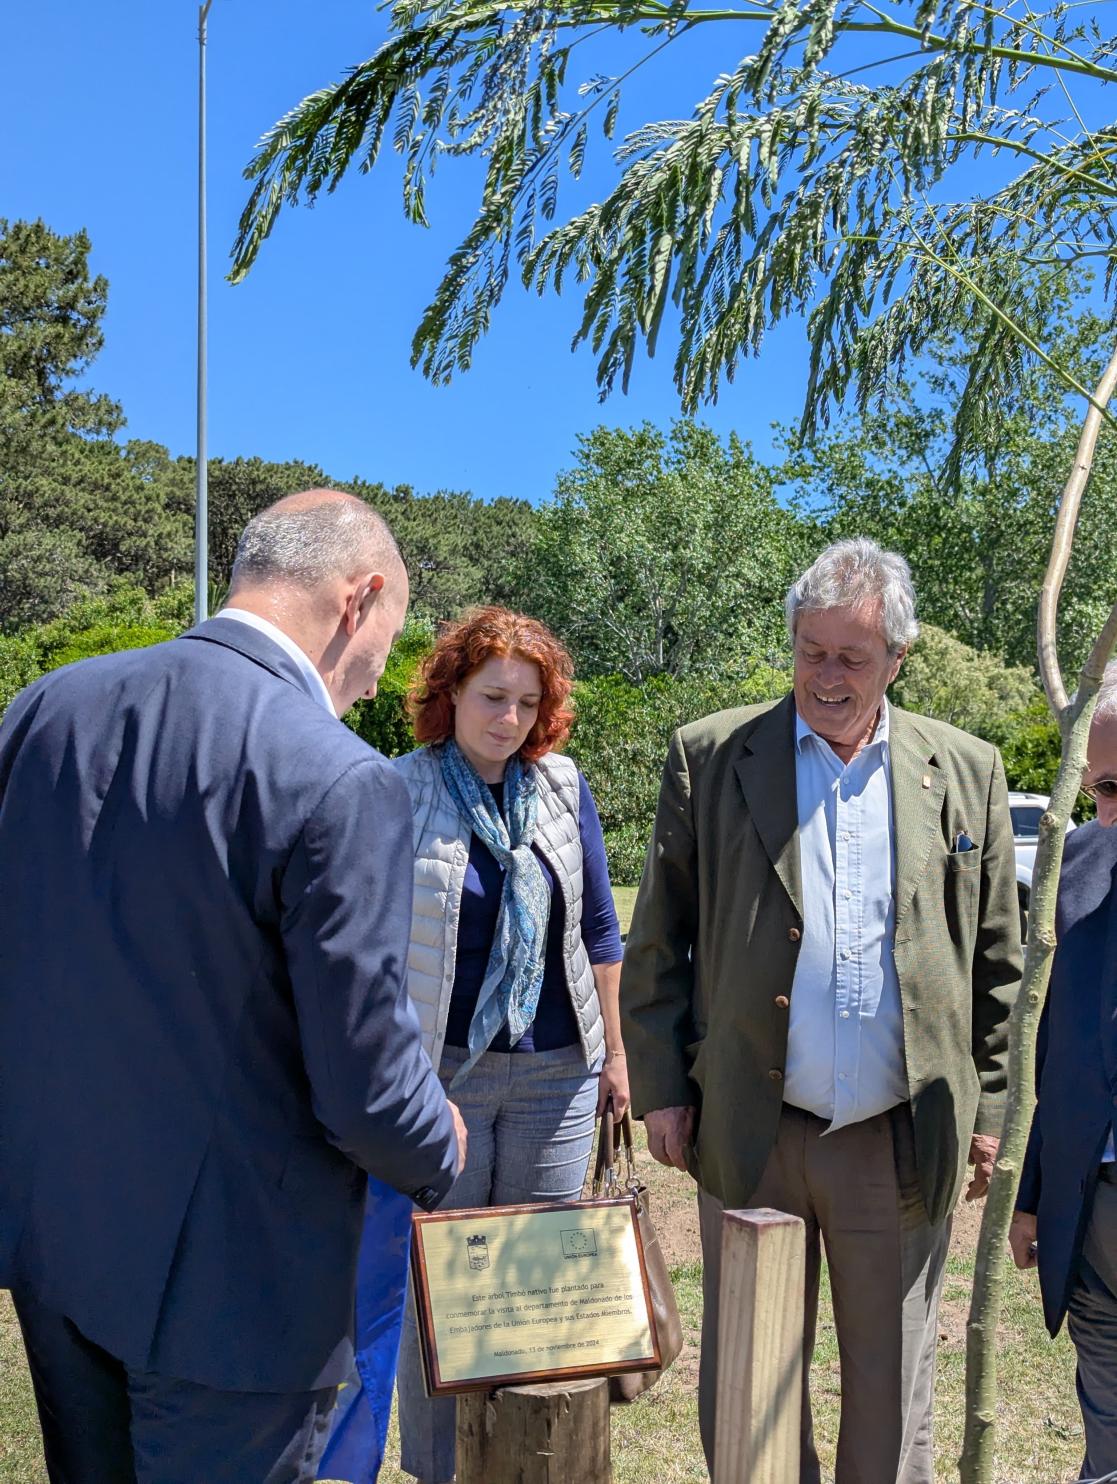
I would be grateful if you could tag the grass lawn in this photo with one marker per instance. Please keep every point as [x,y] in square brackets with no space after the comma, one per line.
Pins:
[655,1441]
[625,899]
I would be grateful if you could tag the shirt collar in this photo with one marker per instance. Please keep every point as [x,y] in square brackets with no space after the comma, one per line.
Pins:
[287,644]
[880,735]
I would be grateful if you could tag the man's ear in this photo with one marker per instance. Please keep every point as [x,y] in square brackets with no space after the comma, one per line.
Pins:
[361,597]
[897,662]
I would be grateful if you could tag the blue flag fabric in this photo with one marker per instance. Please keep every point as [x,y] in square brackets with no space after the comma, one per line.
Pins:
[355,1449]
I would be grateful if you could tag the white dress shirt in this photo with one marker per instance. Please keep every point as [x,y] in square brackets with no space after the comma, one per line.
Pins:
[277,636]
[845,1045]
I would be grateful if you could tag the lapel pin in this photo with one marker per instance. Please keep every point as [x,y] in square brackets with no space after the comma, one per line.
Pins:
[926,780]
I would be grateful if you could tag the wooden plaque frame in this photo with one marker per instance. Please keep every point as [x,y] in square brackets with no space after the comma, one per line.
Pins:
[436,1383]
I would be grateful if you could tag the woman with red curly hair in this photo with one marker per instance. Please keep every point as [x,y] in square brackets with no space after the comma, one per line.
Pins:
[514,965]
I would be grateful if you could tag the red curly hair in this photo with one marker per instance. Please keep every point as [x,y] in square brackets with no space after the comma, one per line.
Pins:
[464,646]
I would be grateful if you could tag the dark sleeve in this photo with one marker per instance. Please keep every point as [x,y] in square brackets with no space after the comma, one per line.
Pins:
[998,962]
[346,930]
[601,932]
[14,725]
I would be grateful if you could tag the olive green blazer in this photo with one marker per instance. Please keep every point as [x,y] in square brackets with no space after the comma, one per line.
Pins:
[710,957]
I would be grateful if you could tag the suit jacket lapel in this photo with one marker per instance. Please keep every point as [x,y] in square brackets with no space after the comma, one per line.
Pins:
[918,789]
[766,773]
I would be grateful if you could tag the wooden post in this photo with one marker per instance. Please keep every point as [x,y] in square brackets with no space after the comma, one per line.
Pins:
[556,1433]
[760,1348]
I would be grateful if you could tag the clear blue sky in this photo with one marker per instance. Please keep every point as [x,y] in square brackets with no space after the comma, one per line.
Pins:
[309,358]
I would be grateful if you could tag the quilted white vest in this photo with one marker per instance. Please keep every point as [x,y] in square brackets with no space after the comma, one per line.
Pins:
[441,840]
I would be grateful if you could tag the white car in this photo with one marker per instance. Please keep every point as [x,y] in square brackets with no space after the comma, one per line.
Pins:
[1026,811]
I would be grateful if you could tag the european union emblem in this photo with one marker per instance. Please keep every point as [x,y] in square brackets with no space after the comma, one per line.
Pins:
[355,1449]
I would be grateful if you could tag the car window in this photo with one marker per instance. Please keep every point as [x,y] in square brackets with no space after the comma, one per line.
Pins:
[1025,820]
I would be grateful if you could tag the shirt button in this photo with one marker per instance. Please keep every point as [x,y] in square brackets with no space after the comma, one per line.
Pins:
[844,1014]
[841,1076]
[845,834]
[782,1001]
[847,895]
[776,1075]
[794,934]
[844,953]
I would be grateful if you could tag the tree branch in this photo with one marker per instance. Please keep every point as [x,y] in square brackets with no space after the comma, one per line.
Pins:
[1094,668]
[1062,543]
[1047,160]
[976,1462]
[929,40]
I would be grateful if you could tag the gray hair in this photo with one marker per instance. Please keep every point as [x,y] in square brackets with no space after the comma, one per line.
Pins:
[306,545]
[1107,693]
[850,574]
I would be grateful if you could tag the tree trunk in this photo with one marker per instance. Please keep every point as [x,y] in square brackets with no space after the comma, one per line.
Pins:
[976,1465]
[1073,716]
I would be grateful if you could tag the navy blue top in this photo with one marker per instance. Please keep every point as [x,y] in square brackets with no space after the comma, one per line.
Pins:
[555,1024]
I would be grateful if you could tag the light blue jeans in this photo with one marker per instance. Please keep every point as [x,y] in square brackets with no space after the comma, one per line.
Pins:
[530,1118]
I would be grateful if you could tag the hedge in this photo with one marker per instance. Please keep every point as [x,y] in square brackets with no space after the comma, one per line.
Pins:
[620,742]
[621,730]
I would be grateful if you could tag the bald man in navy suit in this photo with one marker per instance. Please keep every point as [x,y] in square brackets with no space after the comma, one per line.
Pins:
[1066,1210]
[205,1036]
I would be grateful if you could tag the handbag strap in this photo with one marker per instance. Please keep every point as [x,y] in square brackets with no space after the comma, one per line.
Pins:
[604,1170]
[626,1136]
[613,1135]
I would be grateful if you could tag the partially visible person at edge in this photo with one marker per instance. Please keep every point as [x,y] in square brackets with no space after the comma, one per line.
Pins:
[205,1036]
[1066,1208]
[515,948]
[816,988]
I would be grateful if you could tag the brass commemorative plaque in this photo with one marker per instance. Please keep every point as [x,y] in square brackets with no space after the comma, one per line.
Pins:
[513,1294]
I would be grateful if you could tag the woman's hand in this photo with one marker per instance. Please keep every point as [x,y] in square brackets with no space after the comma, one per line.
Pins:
[613,1083]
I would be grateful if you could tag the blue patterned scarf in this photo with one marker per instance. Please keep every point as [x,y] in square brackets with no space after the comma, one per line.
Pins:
[514,975]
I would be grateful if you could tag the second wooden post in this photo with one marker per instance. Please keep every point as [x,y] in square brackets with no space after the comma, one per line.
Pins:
[760,1348]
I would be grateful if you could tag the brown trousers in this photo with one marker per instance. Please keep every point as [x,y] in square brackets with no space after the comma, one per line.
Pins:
[856,1191]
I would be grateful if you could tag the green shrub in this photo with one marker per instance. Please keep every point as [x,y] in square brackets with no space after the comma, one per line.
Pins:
[128,619]
[384,722]
[620,738]
[124,619]
[1031,749]
[108,639]
[972,689]
[621,730]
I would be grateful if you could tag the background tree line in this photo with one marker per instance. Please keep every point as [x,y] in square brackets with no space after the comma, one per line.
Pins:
[662,557]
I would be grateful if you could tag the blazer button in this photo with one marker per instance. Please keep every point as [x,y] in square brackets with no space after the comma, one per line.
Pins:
[782,1001]
[776,1075]
[794,934]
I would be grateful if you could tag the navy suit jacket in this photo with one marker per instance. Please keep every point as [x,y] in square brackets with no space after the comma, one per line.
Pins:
[1076,1064]
[205,1035]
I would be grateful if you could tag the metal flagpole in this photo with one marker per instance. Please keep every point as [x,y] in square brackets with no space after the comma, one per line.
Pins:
[201,497]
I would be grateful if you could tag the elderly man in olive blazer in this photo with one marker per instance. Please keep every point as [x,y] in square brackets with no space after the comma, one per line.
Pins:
[816,986]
